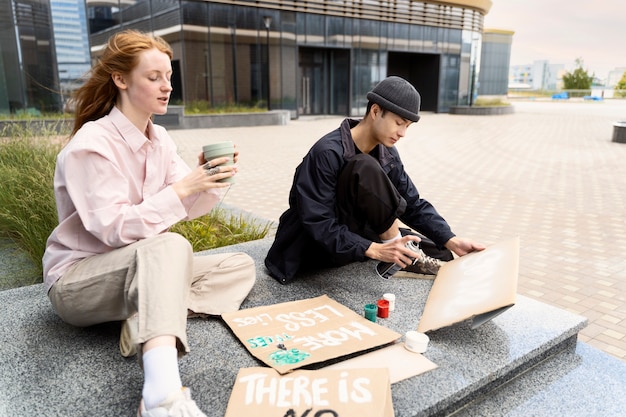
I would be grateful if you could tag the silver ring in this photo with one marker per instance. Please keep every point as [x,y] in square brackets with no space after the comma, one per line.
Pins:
[212,171]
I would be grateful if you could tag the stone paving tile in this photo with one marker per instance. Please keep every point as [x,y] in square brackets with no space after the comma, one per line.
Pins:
[549,173]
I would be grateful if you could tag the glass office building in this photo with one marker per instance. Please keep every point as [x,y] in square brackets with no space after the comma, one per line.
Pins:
[28,68]
[311,57]
[71,42]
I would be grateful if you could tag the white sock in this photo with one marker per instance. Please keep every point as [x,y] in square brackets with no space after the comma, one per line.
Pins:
[161,375]
[399,236]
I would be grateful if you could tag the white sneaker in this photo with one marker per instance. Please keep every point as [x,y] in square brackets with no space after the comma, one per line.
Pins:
[177,404]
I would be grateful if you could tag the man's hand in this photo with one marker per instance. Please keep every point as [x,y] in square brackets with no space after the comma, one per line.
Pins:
[394,251]
[462,246]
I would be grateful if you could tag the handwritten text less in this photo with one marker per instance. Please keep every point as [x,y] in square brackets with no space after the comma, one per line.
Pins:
[294,320]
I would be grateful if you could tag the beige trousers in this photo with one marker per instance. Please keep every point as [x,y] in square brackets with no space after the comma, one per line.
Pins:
[160,279]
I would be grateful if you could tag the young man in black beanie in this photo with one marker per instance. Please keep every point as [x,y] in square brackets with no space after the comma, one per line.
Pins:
[350,193]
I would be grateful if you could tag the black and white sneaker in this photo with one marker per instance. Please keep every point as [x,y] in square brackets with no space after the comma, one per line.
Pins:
[423,267]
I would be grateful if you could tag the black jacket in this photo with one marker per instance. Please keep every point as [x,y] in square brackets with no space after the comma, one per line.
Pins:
[309,233]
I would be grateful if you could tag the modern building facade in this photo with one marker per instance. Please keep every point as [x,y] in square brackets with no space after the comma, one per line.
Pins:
[311,57]
[71,40]
[28,67]
[495,59]
[540,75]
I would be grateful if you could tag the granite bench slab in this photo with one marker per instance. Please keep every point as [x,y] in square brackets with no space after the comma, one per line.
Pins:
[49,368]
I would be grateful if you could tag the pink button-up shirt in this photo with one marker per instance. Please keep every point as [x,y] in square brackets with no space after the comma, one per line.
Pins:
[113,188]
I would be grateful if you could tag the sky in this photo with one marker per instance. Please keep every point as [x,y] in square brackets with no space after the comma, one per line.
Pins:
[561,31]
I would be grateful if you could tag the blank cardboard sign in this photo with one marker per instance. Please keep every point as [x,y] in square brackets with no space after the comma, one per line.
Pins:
[291,335]
[400,362]
[351,392]
[479,285]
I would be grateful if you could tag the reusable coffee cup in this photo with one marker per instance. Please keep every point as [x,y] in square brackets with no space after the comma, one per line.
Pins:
[218,150]
[416,342]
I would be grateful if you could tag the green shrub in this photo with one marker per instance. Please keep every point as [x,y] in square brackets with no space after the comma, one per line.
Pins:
[219,228]
[28,208]
[17,268]
[490,102]
[34,115]
[204,107]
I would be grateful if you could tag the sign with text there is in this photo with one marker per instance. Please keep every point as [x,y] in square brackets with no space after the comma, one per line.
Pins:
[291,335]
[321,393]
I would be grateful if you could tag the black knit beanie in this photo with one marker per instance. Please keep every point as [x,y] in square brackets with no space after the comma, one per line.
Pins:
[398,96]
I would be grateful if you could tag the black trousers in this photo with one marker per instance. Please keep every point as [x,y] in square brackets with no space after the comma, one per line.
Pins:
[368,203]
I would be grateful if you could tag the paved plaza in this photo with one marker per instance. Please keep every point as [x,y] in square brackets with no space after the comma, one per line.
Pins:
[549,173]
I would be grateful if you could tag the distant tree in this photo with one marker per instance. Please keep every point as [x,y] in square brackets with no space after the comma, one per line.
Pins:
[620,87]
[579,79]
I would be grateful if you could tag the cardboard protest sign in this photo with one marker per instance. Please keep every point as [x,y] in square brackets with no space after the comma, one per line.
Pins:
[400,362]
[291,335]
[321,393]
[479,285]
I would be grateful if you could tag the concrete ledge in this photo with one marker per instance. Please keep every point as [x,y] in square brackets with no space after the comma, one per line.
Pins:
[51,368]
[481,111]
[173,119]
[176,119]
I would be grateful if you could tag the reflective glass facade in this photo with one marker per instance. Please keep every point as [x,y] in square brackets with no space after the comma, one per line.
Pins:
[309,57]
[71,42]
[28,70]
[495,61]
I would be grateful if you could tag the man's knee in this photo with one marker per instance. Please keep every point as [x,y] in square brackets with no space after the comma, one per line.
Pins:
[366,197]
[362,166]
